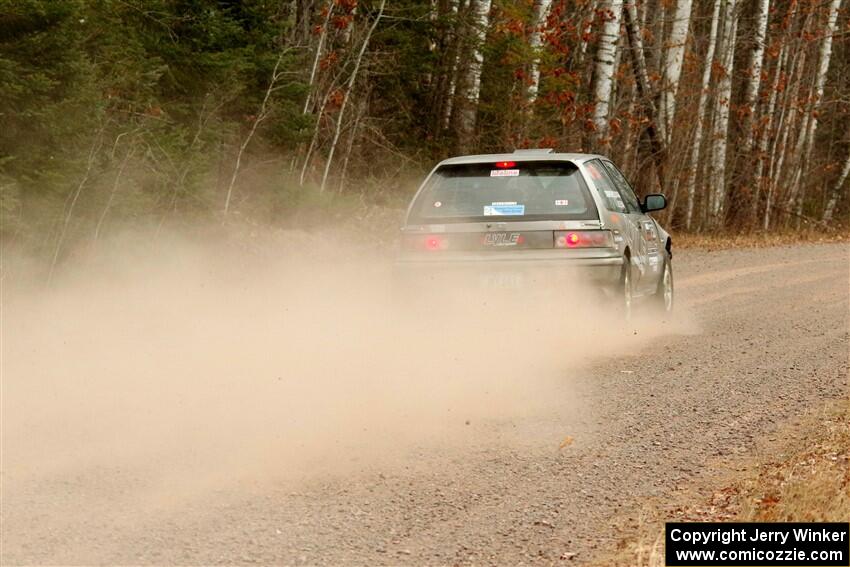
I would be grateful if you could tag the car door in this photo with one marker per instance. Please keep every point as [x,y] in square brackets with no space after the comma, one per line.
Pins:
[619,217]
[647,258]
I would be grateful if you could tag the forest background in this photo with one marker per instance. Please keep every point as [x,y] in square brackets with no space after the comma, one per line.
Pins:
[116,113]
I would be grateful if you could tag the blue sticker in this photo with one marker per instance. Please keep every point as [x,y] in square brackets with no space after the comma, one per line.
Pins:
[503,210]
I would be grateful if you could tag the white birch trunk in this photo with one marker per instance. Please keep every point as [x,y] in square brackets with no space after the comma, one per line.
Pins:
[643,87]
[796,165]
[316,58]
[467,113]
[618,58]
[701,115]
[456,6]
[764,135]
[756,65]
[71,202]
[836,191]
[348,89]
[780,144]
[351,138]
[347,32]
[262,114]
[585,29]
[721,116]
[787,118]
[604,70]
[433,15]
[673,66]
[313,140]
[112,193]
[824,56]
[657,27]
[535,41]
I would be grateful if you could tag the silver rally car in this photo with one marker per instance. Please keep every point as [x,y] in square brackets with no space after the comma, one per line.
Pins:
[505,215]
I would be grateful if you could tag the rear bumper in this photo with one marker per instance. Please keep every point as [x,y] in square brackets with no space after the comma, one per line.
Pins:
[602,269]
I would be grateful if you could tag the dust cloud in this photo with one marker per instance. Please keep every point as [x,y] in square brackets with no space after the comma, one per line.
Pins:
[181,365]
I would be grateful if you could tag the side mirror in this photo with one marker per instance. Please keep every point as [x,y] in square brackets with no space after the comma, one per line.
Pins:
[654,202]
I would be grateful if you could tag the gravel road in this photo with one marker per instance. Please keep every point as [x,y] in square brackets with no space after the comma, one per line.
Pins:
[767,339]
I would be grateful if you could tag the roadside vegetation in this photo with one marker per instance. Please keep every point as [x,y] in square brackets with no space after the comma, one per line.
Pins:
[758,239]
[805,477]
[291,113]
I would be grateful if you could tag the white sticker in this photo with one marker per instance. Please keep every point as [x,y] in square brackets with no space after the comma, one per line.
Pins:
[438,204]
[616,198]
[503,203]
[504,173]
[561,202]
[503,210]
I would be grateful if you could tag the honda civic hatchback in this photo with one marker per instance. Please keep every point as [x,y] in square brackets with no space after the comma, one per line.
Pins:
[506,214]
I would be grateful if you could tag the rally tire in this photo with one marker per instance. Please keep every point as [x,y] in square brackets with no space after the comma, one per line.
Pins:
[664,294]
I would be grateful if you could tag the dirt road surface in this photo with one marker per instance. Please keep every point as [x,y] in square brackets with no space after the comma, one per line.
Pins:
[766,339]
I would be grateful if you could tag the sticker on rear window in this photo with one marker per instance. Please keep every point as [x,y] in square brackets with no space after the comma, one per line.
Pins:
[616,198]
[497,209]
[504,173]
[438,204]
[561,202]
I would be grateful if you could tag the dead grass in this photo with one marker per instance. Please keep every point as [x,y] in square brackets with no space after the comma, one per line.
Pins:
[756,239]
[810,485]
[805,478]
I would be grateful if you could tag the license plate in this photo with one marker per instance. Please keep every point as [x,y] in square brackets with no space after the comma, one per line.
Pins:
[502,280]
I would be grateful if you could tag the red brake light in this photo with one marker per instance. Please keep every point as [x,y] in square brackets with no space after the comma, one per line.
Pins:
[434,243]
[584,239]
[505,164]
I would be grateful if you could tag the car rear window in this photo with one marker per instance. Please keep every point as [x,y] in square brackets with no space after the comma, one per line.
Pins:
[504,191]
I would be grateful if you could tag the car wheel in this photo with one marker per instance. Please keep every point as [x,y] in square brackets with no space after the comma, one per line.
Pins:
[626,297]
[664,294]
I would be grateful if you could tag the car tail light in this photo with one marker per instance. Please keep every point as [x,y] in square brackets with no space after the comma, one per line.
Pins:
[584,239]
[505,164]
[434,242]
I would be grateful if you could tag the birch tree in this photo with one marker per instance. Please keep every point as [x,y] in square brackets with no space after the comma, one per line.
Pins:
[584,30]
[303,16]
[261,115]
[469,83]
[756,64]
[454,56]
[721,115]
[603,73]
[702,107]
[836,190]
[631,78]
[673,67]
[535,42]
[787,114]
[320,45]
[349,87]
[824,56]
[643,87]
[766,128]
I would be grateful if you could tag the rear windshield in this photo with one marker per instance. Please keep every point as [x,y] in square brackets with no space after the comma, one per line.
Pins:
[504,191]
